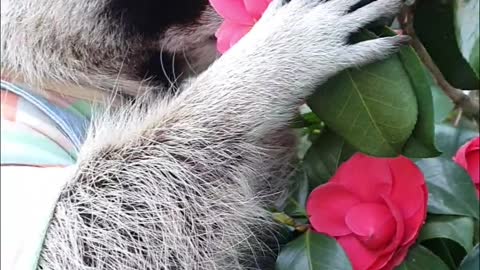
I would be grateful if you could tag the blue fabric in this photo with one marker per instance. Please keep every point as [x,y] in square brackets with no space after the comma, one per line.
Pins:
[70,124]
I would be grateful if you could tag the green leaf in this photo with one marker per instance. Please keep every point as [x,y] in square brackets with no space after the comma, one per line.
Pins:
[434,25]
[324,157]
[420,258]
[450,139]
[467,30]
[305,118]
[421,143]
[373,108]
[442,104]
[449,251]
[456,228]
[476,237]
[472,261]
[451,192]
[299,190]
[312,251]
[320,163]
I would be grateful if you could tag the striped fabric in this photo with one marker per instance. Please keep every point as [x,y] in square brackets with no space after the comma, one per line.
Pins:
[40,132]
[40,140]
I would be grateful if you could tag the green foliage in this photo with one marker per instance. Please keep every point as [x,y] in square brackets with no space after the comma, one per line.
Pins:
[421,142]
[390,108]
[467,31]
[472,261]
[374,110]
[456,228]
[299,190]
[325,156]
[434,24]
[420,258]
[450,138]
[312,251]
[446,181]
[383,109]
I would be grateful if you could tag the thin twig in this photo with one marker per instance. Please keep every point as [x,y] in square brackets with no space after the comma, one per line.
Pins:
[458,118]
[461,100]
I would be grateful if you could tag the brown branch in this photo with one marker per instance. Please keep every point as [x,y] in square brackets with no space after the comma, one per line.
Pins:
[461,100]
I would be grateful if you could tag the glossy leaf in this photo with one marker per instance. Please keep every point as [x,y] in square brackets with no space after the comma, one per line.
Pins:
[299,190]
[373,108]
[456,228]
[420,258]
[446,180]
[434,25]
[312,251]
[421,143]
[324,157]
[472,261]
[449,139]
[467,31]
[451,192]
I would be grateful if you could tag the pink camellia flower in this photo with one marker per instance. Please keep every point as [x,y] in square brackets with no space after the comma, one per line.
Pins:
[374,207]
[239,17]
[468,157]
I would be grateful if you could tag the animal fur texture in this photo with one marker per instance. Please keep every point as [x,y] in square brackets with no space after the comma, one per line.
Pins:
[180,180]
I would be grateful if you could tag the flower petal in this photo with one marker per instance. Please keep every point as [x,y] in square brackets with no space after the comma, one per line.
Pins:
[473,161]
[388,253]
[414,223]
[400,226]
[408,186]
[233,10]
[373,224]
[360,257]
[460,156]
[327,206]
[382,261]
[226,33]
[256,7]
[365,176]
[396,259]
[239,34]
[468,157]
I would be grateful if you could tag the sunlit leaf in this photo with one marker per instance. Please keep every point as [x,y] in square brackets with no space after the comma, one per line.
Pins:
[467,31]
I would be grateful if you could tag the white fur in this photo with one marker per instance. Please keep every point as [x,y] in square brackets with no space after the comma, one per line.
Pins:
[183,183]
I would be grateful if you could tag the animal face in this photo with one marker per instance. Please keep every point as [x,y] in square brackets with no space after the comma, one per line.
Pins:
[104,43]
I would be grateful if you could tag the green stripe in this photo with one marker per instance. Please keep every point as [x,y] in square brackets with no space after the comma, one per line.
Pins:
[28,149]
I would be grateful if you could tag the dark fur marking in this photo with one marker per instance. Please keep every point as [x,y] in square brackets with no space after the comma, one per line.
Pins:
[151,17]
[161,68]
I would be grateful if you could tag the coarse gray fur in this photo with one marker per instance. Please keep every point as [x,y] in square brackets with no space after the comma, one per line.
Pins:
[182,181]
